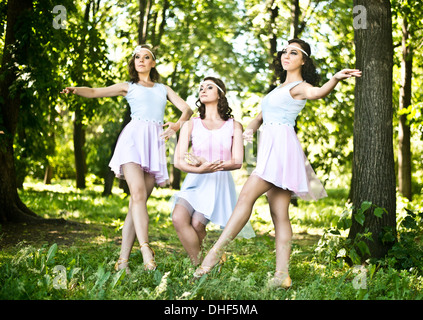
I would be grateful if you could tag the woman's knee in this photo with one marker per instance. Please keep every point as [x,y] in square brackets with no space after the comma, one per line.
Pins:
[198,226]
[179,219]
[138,194]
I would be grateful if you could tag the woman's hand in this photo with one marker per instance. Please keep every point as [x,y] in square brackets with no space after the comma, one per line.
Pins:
[69,90]
[170,131]
[209,167]
[347,73]
[248,135]
[194,160]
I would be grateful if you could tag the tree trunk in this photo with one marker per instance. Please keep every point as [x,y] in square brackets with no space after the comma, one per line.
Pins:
[145,13]
[78,149]
[110,176]
[373,164]
[404,134]
[274,13]
[48,174]
[295,18]
[14,54]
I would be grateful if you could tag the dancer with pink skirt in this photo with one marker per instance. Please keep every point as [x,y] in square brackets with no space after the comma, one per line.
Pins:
[140,153]
[282,169]
[208,193]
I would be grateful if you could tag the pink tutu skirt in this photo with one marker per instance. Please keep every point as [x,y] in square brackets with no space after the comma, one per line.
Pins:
[282,162]
[140,142]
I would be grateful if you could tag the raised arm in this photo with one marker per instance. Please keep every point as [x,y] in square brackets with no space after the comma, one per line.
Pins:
[119,89]
[313,93]
[183,107]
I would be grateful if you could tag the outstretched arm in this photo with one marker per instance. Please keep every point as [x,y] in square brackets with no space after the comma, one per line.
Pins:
[119,89]
[314,93]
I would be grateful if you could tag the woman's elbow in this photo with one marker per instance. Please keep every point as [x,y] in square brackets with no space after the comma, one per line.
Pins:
[176,164]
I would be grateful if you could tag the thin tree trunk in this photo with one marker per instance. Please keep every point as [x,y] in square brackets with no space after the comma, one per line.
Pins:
[108,180]
[78,145]
[404,134]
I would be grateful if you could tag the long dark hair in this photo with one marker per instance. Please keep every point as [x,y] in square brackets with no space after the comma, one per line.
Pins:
[133,74]
[308,70]
[225,112]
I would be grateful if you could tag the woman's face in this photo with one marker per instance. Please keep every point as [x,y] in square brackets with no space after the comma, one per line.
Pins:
[144,61]
[208,92]
[292,58]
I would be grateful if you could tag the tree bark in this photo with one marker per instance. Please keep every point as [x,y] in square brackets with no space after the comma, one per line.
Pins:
[295,18]
[145,13]
[373,162]
[15,53]
[110,176]
[78,149]
[404,133]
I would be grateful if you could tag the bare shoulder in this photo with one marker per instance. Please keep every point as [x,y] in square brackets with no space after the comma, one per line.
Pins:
[237,125]
[300,90]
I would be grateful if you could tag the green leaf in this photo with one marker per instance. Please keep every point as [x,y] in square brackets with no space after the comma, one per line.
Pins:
[409,223]
[51,253]
[344,223]
[365,205]
[379,212]
[359,217]
[364,248]
[354,256]
[117,278]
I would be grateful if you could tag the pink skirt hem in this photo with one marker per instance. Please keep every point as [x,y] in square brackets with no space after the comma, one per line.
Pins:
[282,162]
[140,143]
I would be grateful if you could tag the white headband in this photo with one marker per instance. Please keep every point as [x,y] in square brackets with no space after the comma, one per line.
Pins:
[295,47]
[202,83]
[139,48]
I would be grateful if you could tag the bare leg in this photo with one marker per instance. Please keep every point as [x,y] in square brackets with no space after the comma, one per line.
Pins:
[140,185]
[252,189]
[279,204]
[128,231]
[128,238]
[190,232]
[199,227]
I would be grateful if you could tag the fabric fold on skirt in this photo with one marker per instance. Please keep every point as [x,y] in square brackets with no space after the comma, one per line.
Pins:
[282,162]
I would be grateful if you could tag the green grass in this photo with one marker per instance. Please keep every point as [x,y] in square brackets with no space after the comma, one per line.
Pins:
[80,265]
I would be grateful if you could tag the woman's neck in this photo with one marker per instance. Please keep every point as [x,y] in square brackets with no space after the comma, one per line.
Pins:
[293,76]
[211,112]
[144,77]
